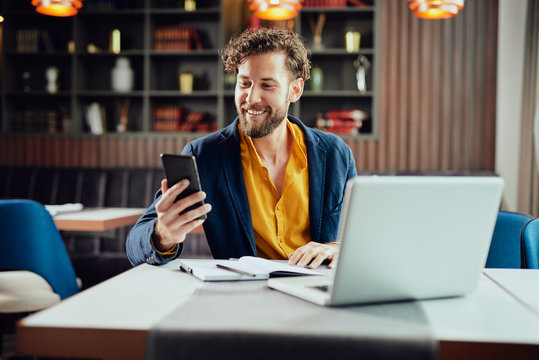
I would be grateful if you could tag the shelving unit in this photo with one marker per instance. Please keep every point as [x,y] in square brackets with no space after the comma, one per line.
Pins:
[79,47]
[340,90]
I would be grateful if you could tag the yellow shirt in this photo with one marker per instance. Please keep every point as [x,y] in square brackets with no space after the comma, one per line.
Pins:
[280,223]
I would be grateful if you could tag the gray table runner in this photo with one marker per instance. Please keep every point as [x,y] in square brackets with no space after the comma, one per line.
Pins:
[247,320]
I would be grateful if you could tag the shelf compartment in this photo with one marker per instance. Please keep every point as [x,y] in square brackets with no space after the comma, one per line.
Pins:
[208,106]
[336,25]
[207,28]
[39,115]
[340,74]
[165,71]
[310,106]
[112,110]
[96,30]
[27,74]
[95,73]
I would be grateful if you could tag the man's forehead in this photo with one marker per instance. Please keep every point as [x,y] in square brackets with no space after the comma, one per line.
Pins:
[267,66]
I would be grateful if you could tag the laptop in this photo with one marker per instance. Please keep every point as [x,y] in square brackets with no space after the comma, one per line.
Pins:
[406,238]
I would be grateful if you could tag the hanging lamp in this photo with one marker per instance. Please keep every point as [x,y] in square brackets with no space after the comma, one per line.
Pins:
[275,9]
[62,8]
[436,9]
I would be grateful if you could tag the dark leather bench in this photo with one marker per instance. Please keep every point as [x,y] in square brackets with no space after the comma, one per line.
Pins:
[95,256]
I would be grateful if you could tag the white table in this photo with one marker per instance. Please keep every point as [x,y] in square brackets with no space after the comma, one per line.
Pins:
[522,284]
[112,319]
[98,219]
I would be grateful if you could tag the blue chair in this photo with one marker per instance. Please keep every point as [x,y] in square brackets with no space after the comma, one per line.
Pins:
[30,241]
[505,248]
[530,242]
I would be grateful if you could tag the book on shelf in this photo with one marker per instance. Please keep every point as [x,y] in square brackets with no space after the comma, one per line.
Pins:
[244,268]
[36,121]
[27,41]
[177,38]
[192,121]
[33,41]
[342,122]
[167,118]
[170,118]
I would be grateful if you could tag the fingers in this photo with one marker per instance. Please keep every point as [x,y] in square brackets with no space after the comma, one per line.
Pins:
[170,194]
[173,227]
[313,254]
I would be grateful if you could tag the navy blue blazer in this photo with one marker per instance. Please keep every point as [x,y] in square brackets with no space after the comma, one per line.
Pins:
[228,228]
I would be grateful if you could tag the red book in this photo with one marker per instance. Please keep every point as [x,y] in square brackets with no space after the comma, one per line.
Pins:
[323,123]
[342,130]
[346,114]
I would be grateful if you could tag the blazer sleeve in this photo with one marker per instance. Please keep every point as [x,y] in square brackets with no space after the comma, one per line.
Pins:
[138,247]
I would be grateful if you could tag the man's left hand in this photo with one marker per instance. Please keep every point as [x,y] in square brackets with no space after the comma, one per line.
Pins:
[313,254]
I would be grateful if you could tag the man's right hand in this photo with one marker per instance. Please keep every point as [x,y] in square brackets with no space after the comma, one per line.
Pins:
[171,228]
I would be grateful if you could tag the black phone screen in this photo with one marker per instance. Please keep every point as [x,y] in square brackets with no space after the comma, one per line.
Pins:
[179,167]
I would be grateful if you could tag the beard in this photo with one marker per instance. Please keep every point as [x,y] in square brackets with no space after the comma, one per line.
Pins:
[272,122]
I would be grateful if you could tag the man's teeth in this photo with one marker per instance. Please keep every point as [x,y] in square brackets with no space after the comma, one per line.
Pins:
[252,112]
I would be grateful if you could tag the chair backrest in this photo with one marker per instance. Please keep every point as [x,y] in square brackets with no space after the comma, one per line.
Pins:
[530,241]
[505,248]
[30,241]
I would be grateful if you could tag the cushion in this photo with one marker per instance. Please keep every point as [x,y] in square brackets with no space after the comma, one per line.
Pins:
[25,291]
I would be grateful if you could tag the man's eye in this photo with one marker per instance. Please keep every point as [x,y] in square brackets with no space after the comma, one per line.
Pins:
[267,86]
[243,84]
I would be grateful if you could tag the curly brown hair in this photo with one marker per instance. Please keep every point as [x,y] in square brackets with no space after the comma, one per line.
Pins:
[263,40]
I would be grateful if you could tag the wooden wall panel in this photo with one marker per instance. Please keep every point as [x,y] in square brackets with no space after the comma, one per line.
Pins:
[437,90]
[437,94]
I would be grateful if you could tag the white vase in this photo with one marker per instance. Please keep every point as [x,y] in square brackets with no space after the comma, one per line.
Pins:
[51,73]
[122,75]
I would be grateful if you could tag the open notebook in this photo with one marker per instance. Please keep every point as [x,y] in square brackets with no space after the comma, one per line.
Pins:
[245,268]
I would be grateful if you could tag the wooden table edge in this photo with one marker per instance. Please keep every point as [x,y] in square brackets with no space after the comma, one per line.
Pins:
[450,350]
[88,343]
[95,225]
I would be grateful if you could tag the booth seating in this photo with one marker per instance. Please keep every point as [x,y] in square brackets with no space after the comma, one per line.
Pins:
[95,256]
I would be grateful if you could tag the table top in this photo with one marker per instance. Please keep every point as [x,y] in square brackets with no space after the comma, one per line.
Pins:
[120,312]
[522,284]
[97,219]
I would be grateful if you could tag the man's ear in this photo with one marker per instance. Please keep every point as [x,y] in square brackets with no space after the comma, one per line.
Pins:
[295,90]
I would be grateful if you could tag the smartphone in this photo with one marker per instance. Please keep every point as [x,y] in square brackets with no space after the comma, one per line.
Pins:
[179,167]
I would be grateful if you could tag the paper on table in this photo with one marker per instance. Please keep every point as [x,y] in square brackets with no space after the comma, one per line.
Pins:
[64,208]
[207,270]
[258,266]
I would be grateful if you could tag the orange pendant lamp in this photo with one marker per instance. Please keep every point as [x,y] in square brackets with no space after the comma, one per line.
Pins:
[436,9]
[275,9]
[61,8]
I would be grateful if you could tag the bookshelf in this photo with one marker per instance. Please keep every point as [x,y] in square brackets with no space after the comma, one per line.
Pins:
[161,40]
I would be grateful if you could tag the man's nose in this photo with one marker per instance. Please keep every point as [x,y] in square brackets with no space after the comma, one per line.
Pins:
[253,95]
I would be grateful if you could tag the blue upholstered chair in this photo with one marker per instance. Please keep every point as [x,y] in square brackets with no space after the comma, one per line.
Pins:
[35,269]
[530,241]
[31,242]
[505,248]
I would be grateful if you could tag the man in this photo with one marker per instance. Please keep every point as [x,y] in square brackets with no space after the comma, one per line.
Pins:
[276,186]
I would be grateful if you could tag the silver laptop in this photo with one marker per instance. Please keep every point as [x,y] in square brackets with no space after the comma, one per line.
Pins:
[406,238]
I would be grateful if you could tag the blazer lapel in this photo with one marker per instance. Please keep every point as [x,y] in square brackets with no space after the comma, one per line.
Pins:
[316,155]
[235,185]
